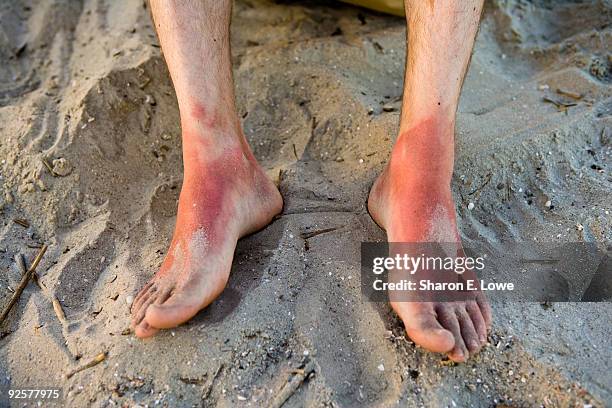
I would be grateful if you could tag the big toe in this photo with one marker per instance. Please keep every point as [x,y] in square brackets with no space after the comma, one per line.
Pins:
[176,310]
[144,330]
[425,330]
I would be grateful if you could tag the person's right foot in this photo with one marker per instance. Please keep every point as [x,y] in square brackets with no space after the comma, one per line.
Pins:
[225,195]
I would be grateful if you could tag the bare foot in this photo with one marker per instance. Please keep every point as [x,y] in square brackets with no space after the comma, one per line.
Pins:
[412,201]
[225,195]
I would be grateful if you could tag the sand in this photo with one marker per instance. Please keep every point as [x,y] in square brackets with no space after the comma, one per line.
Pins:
[85,90]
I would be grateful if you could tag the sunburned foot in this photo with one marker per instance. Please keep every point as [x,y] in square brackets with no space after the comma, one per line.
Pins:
[225,195]
[412,201]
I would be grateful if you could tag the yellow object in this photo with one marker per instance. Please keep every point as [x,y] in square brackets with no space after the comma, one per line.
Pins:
[395,7]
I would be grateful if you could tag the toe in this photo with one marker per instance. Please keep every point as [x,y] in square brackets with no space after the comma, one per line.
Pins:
[478,321]
[142,297]
[139,313]
[448,319]
[485,310]
[176,310]
[425,330]
[468,332]
[143,291]
[143,330]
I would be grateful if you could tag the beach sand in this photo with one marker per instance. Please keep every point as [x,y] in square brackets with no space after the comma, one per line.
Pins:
[91,158]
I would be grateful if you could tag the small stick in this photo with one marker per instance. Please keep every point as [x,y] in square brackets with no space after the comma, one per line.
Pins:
[573,95]
[22,222]
[20,261]
[96,360]
[193,380]
[308,235]
[22,285]
[48,166]
[295,152]
[561,106]
[212,382]
[487,180]
[57,306]
[292,385]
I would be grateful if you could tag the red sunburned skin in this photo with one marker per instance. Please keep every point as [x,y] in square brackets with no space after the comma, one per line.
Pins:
[225,195]
[207,197]
[427,146]
[204,117]
[413,193]
[412,201]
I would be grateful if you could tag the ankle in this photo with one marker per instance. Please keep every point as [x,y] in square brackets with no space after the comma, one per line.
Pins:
[424,151]
[222,161]
[437,126]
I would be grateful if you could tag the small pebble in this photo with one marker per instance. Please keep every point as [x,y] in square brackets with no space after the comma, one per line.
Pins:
[548,204]
[470,206]
[129,299]
[381,367]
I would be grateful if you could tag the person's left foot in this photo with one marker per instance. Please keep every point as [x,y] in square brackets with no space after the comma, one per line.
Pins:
[412,201]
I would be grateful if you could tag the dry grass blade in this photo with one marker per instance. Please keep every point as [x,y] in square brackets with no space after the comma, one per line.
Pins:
[95,361]
[59,311]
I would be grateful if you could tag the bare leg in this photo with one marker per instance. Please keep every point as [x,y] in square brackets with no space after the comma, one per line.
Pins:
[412,198]
[225,193]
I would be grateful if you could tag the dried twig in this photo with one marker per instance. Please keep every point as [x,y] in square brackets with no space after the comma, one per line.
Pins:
[57,306]
[487,180]
[570,94]
[308,235]
[193,380]
[295,152]
[23,283]
[292,384]
[49,167]
[21,264]
[96,360]
[561,106]
[212,382]
[24,223]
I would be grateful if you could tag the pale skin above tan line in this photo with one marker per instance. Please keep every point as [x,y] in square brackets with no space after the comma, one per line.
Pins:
[226,194]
